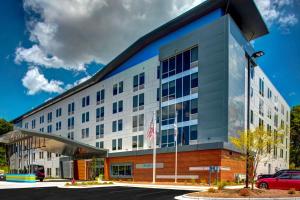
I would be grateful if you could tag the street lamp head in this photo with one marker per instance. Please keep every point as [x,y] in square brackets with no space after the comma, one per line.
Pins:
[257,54]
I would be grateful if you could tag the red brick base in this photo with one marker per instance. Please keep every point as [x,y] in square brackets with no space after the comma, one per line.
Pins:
[232,161]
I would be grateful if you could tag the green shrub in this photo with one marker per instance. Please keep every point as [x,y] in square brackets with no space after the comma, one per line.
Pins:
[212,190]
[292,191]
[221,185]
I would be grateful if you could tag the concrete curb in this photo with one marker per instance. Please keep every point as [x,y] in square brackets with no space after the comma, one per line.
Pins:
[186,197]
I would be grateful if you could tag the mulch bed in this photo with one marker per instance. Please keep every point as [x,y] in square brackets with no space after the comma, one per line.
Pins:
[256,193]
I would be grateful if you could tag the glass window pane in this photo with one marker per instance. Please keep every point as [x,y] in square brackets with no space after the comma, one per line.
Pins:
[186,85]
[194,54]
[135,101]
[142,78]
[186,60]
[194,80]
[179,88]
[141,99]
[141,141]
[134,121]
[185,135]
[165,89]
[186,111]
[179,112]
[134,141]
[179,63]
[194,133]
[121,87]
[135,81]
[194,106]
[171,66]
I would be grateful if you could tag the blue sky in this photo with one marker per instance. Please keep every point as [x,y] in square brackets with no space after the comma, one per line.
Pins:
[50,46]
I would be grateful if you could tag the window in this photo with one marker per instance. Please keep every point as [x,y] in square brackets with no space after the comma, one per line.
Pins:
[33,157]
[120,125]
[33,124]
[186,85]
[114,144]
[85,101]
[194,54]
[121,170]
[49,129]
[141,122]
[41,119]
[85,133]
[117,107]
[261,87]
[141,141]
[41,155]
[70,123]
[49,172]
[251,117]
[58,126]
[179,63]
[100,145]
[118,87]
[134,123]
[165,68]
[134,142]
[42,130]
[71,108]
[261,107]
[138,81]
[49,117]
[100,114]
[71,135]
[179,88]
[114,126]
[157,94]
[100,96]
[186,60]
[194,82]
[186,111]
[120,144]
[261,123]
[49,155]
[165,92]
[194,132]
[138,102]
[85,117]
[269,93]
[158,72]
[100,131]
[171,90]
[56,172]
[58,112]
[194,108]
[172,66]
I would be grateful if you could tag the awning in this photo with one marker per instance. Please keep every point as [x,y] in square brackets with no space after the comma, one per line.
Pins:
[52,143]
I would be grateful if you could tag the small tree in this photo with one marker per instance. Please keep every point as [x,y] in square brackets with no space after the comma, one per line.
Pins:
[4,128]
[259,143]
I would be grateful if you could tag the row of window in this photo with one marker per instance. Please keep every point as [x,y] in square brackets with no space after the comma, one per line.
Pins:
[184,136]
[179,63]
[186,111]
[180,87]
[117,144]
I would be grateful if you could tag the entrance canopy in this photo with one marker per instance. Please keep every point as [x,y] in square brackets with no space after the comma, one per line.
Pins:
[51,143]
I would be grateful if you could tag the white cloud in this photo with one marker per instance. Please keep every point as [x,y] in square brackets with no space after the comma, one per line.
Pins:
[72,33]
[69,86]
[277,12]
[35,82]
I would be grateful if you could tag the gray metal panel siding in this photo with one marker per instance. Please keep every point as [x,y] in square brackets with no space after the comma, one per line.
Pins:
[213,77]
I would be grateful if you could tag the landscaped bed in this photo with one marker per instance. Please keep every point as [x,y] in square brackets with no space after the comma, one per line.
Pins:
[240,193]
[89,183]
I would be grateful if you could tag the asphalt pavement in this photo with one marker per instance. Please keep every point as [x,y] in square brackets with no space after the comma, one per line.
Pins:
[103,193]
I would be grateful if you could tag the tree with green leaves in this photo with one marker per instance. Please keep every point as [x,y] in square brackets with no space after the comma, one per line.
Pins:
[259,142]
[295,137]
[4,128]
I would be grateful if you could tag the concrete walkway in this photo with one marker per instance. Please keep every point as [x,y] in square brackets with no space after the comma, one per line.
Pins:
[15,185]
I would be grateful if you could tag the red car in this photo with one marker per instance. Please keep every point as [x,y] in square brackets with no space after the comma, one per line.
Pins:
[284,181]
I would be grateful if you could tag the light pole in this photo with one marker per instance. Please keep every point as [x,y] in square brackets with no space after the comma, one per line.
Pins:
[251,64]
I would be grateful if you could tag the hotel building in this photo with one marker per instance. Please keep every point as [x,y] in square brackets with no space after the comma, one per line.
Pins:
[196,66]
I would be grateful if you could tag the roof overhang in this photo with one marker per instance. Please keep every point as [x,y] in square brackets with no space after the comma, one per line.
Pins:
[244,12]
[52,143]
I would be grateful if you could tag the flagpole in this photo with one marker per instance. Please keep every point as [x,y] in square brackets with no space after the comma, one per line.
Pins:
[175,132]
[154,147]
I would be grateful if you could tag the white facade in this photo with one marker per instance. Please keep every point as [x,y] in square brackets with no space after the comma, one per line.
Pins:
[266,106]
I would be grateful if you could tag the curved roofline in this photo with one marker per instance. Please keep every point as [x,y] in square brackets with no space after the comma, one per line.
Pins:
[249,21]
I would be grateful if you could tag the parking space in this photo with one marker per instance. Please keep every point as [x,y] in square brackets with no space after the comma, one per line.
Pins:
[107,193]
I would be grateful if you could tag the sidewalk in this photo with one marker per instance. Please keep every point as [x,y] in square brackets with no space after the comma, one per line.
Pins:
[15,185]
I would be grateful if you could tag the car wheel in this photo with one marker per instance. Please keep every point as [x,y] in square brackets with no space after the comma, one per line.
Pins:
[41,179]
[263,186]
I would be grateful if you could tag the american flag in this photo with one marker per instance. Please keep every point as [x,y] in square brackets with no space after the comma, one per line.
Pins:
[151,131]
[175,129]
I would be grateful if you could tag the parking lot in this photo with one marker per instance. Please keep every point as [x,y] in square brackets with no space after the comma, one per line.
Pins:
[107,193]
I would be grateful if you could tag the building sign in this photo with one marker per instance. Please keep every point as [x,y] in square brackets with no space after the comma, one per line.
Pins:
[210,168]
[149,166]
